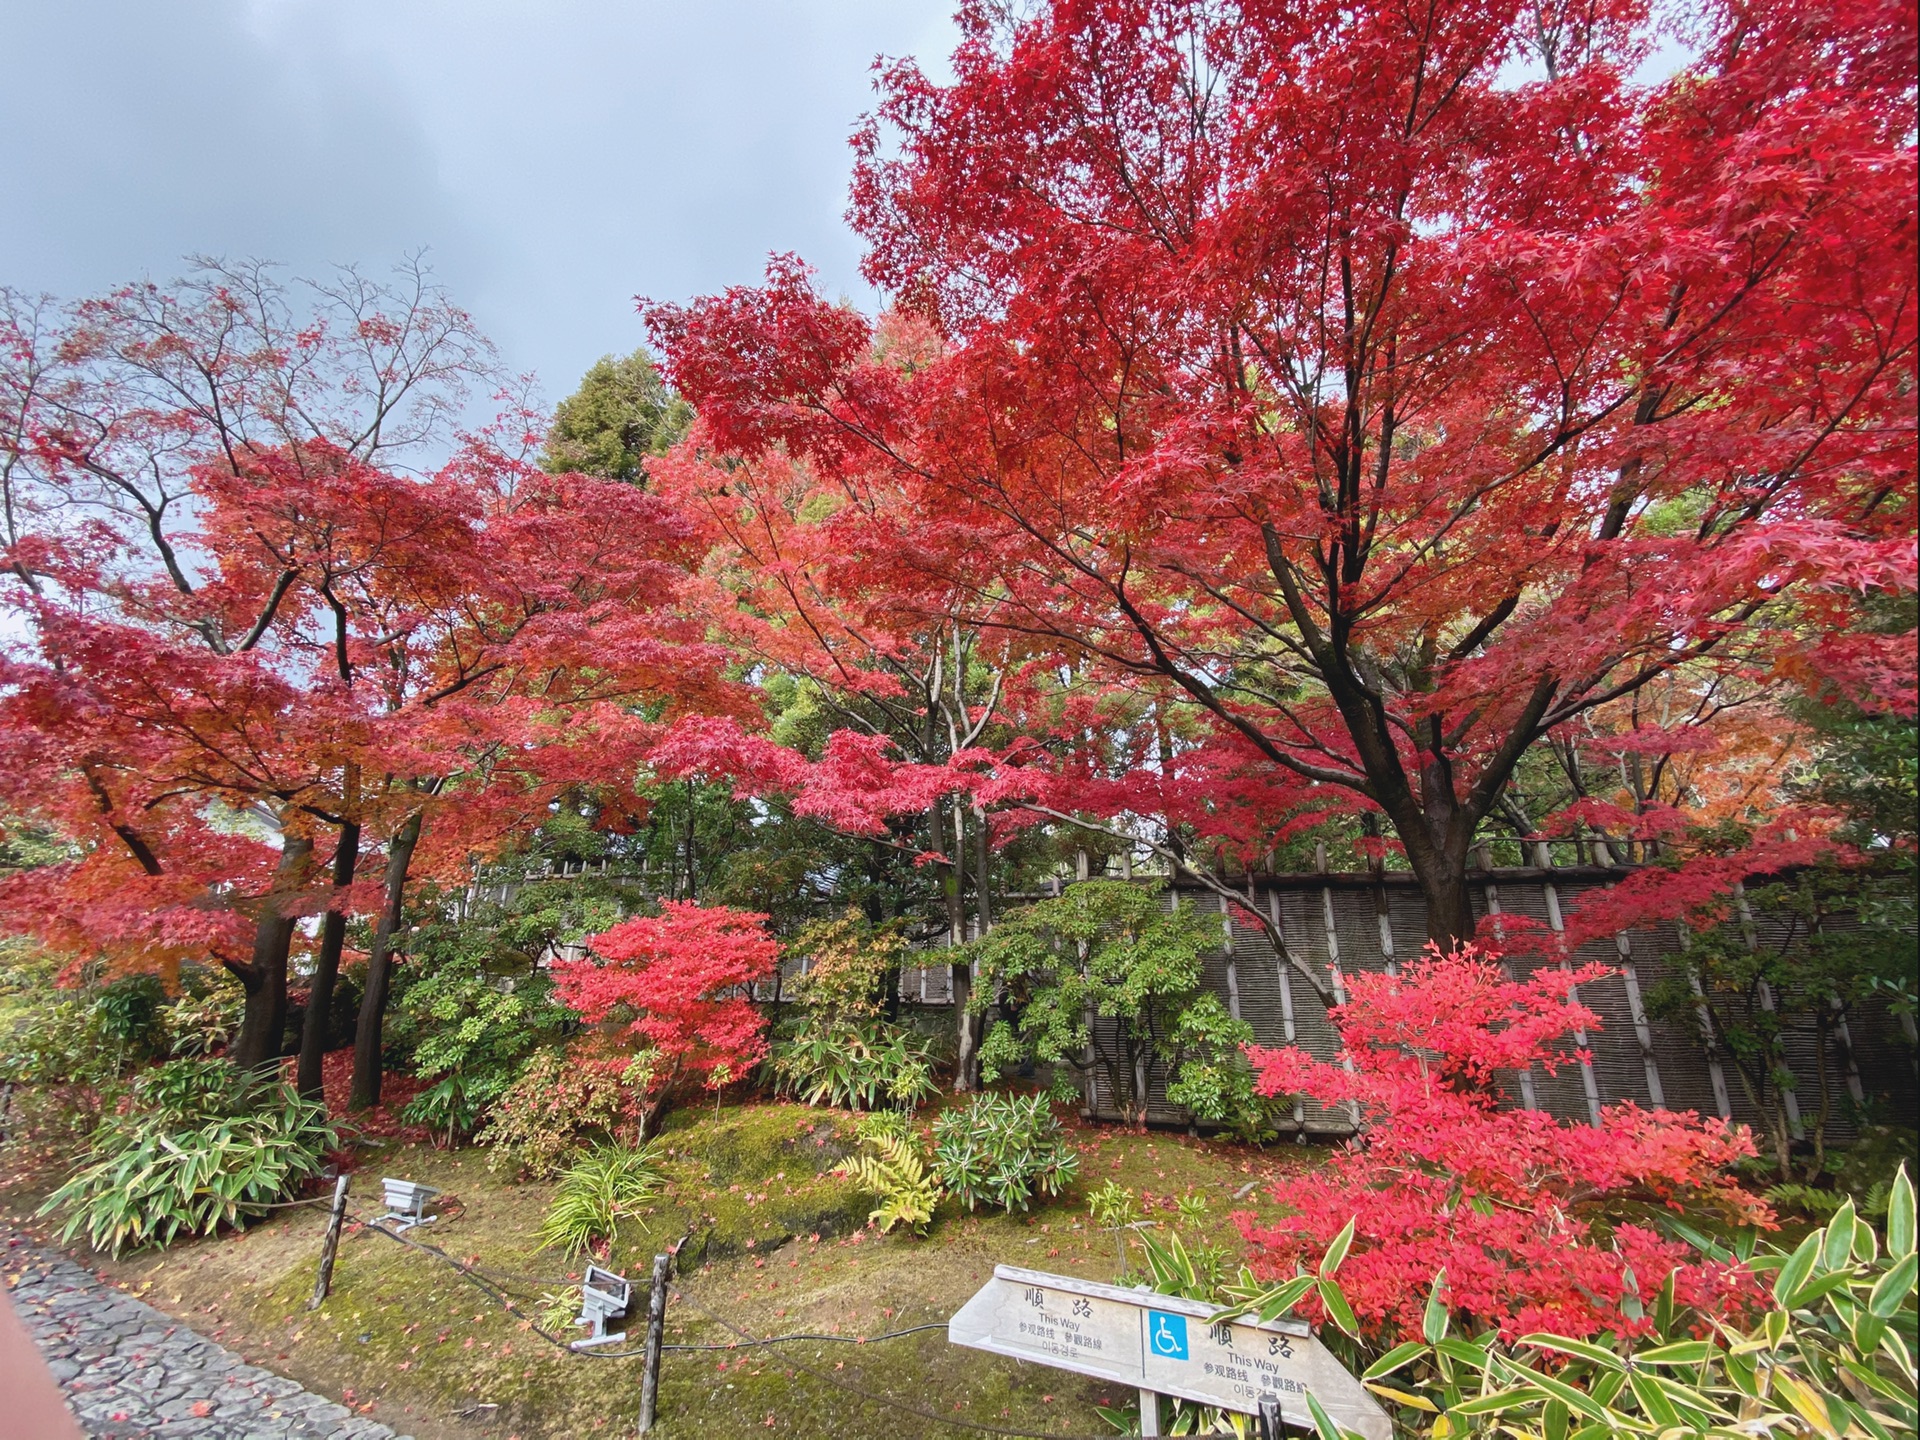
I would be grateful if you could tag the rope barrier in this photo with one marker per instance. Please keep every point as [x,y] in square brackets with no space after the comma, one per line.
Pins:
[838,1339]
[480,1281]
[486,1279]
[285,1204]
[886,1401]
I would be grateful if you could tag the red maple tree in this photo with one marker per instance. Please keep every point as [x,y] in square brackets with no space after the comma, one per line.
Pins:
[1388,389]
[237,610]
[684,976]
[1538,1224]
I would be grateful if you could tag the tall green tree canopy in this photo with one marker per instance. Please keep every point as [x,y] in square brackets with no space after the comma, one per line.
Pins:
[622,413]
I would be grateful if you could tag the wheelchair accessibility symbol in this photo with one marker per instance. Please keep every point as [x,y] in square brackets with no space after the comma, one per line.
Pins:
[1167,1334]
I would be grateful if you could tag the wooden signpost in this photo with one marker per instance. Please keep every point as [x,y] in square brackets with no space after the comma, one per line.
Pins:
[1161,1345]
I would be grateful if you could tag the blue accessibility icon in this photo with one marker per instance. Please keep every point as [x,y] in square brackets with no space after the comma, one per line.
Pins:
[1167,1335]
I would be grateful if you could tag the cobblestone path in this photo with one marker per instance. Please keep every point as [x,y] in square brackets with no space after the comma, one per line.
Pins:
[133,1373]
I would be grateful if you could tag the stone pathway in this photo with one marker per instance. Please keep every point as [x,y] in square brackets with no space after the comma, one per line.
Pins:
[133,1373]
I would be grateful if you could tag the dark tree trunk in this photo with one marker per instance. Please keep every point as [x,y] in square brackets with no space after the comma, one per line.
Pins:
[326,967]
[982,923]
[367,1038]
[264,1021]
[965,1024]
[1449,907]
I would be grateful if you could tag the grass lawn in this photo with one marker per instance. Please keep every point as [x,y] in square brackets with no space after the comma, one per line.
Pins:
[779,1246]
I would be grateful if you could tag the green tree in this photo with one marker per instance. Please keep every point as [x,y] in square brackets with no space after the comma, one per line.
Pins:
[1112,951]
[622,413]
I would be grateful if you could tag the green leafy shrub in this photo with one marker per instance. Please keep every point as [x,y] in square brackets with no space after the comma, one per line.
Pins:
[843,1052]
[1115,1209]
[130,1014]
[206,1016]
[1000,1150]
[560,1104]
[199,1144]
[848,962]
[875,1125]
[474,1019]
[899,1175]
[1829,1355]
[596,1193]
[855,1064]
[1110,950]
[55,1030]
[1866,1168]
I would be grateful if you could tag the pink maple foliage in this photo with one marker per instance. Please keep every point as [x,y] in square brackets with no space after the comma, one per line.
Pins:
[1539,1224]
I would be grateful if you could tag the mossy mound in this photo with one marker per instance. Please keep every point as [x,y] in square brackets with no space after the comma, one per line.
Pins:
[756,1177]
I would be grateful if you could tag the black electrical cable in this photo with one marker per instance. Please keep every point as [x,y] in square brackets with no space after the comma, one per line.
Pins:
[486,1283]
[745,1341]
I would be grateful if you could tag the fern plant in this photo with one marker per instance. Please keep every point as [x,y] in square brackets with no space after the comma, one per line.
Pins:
[1807,1199]
[899,1175]
[596,1193]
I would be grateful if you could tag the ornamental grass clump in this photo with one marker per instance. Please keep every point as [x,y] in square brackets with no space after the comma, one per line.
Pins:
[596,1193]
[199,1144]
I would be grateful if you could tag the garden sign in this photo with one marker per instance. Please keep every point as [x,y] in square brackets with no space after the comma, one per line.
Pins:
[1161,1345]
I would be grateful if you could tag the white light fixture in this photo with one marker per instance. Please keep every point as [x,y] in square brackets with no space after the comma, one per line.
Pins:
[604,1296]
[407,1202]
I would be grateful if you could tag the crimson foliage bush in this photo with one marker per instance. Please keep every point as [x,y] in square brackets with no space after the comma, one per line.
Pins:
[1539,1224]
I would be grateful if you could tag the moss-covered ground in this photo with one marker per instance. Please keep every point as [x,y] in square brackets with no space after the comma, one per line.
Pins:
[779,1246]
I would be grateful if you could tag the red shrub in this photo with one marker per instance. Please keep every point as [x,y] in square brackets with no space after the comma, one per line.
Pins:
[683,976]
[1531,1217]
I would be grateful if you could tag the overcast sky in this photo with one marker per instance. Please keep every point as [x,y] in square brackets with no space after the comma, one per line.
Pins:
[555,157]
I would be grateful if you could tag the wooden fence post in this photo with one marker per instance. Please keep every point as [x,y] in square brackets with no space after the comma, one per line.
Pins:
[323,1282]
[656,1329]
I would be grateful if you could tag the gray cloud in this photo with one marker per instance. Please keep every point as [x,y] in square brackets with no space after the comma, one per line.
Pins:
[556,158]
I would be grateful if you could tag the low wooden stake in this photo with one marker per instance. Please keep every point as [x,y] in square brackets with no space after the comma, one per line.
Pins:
[323,1282]
[1272,1427]
[656,1333]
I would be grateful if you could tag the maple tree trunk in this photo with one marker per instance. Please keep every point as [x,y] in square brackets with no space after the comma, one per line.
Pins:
[367,1036]
[1826,1101]
[963,1062]
[960,975]
[263,1023]
[326,967]
[653,1114]
[1449,906]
